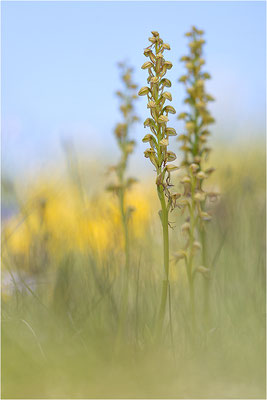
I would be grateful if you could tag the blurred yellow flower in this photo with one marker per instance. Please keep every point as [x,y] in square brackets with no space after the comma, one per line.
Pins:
[57,220]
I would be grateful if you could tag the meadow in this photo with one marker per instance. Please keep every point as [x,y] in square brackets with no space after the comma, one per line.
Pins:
[63,257]
[89,310]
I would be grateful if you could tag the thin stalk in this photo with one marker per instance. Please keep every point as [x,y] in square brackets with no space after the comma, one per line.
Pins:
[126,246]
[165,231]
[125,230]
[206,299]
[206,302]
[189,264]
[124,301]
[136,302]
[171,327]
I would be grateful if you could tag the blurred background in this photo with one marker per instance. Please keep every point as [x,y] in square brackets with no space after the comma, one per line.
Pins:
[59,72]
[62,239]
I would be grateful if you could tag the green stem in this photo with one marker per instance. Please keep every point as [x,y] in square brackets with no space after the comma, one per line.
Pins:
[124,219]
[124,298]
[165,282]
[125,230]
[189,264]
[191,287]
[206,304]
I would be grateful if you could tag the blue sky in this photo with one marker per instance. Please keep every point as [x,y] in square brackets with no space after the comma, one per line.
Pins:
[59,71]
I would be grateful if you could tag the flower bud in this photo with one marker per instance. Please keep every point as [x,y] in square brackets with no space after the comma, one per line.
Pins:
[167,95]
[148,122]
[182,115]
[143,91]
[148,152]
[166,82]
[164,142]
[151,104]
[170,131]
[197,245]
[147,64]
[183,78]
[171,167]
[201,175]
[148,138]
[185,227]
[154,79]
[200,105]
[202,138]
[190,126]
[193,45]
[152,39]
[167,64]
[185,58]
[166,46]
[183,137]
[200,196]
[200,83]
[147,51]
[190,90]
[171,156]
[186,179]
[189,65]
[194,167]
[163,119]
[169,109]
[205,216]
[185,148]
[130,147]
[206,75]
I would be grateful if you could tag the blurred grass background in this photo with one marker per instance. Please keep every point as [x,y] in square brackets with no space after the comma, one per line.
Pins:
[62,279]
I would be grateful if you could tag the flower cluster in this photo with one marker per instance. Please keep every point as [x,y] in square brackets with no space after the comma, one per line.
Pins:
[126,145]
[157,95]
[122,129]
[198,118]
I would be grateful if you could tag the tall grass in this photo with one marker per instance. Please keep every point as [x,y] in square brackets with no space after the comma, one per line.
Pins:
[73,308]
